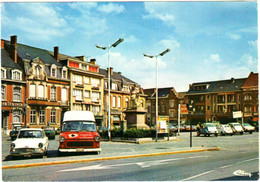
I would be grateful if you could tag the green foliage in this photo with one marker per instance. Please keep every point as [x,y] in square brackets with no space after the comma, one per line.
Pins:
[137,133]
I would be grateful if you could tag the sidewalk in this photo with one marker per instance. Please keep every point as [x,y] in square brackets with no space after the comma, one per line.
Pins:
[115,150]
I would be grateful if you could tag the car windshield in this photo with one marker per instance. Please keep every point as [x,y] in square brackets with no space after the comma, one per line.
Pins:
[209,125]
[246,124]
[226,126]
[237,125]
[30,134]
[79,126]
[48,128]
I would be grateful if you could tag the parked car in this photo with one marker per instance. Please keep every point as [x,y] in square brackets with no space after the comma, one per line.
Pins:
[29,142]
[207,129]
[220,129]
[237,128]
[227,129]
[14,133]
[173,129]
[49,132]
[248,128]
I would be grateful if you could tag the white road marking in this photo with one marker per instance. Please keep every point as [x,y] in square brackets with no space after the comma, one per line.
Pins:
[198,175]
[141,164]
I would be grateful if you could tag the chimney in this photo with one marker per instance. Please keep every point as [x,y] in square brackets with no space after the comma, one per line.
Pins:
[56,53]
[111,71]
[14,48]
[93,61]
[232,80]
[119,73]
[2,44]
[82,58]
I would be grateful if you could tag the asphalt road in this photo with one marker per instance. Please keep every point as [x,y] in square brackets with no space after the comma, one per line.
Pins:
[238,160]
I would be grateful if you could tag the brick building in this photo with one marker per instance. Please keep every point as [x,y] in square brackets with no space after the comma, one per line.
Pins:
[168,101]
[216,100]
[13,89]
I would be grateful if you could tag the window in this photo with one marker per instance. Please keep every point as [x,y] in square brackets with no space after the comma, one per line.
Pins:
[95,109]
[77,79]
[33,117]
[171,113]
[78,94]
[64,96]
[126,88]
[95,96]
[231,98]
[3,91]
[171,103]
[118,102]
[16,75]
[38,71]
[95,82]
[53,116]
[77,107]
[32,91]
[87,93]
[17,94]
[40,91]
[114,102]
[53,93]
[208,108]
[53,70]
[64,73]
[42,116]
[248,97]
[86,80]
[221,99]
[16,117]
[3,73]
[114,86]
[127,102]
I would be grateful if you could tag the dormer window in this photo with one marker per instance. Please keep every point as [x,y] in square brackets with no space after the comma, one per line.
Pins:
[16,75]
[64,72]
[53,71]
[38,71]
[3,73]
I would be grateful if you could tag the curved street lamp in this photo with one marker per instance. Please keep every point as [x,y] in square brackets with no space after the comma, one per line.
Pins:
[156,113]
[104,48]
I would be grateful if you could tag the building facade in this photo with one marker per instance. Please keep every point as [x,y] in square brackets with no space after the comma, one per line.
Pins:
[13,89]
[86,86]
[121,91]
[47,85]
[250,102]
[168,102]
[216,100]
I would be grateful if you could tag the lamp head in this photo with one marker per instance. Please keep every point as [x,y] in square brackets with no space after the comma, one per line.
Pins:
[101,47]
[117,42]
[149,56]
[164,52]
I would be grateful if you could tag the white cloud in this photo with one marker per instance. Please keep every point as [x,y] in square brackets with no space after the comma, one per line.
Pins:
[234,36]
[253,43]
[111,7]
[213,58]
[170,43]
[131,39]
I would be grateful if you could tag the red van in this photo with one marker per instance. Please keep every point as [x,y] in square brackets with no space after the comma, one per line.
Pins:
[79,133]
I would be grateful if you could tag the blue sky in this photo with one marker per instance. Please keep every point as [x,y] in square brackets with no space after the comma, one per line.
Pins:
[208,40]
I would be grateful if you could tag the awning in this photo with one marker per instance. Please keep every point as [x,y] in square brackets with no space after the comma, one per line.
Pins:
[256,119]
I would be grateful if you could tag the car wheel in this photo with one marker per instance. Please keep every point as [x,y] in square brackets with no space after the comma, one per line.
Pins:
[241,133]
[250,132]
[98,152]
[216,135]
[198,133]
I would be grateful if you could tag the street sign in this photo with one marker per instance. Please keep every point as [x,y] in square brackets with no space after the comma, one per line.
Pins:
[162,124]
[237,114]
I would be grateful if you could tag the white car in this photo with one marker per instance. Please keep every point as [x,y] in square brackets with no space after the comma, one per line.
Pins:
[248,128]
[29,142]
[227,129]
[237,128]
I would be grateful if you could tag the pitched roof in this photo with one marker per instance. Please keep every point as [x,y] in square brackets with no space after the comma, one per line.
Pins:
[7,62]
[30,53]
[116,76]
[230,85]
[162,92]
[251,81]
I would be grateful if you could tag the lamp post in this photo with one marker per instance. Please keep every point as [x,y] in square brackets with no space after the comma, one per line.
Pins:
[104,48]
[156,83]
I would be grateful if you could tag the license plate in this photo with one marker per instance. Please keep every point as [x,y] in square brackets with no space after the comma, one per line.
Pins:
[80,150]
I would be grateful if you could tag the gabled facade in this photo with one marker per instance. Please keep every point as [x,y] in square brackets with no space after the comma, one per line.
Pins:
[86,86]
[250,100]
[216,100]
[13,90]
[168,101]
[47,83]
[121,91]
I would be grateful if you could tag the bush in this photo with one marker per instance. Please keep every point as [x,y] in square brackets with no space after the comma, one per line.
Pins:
[116,132]
[137,133]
